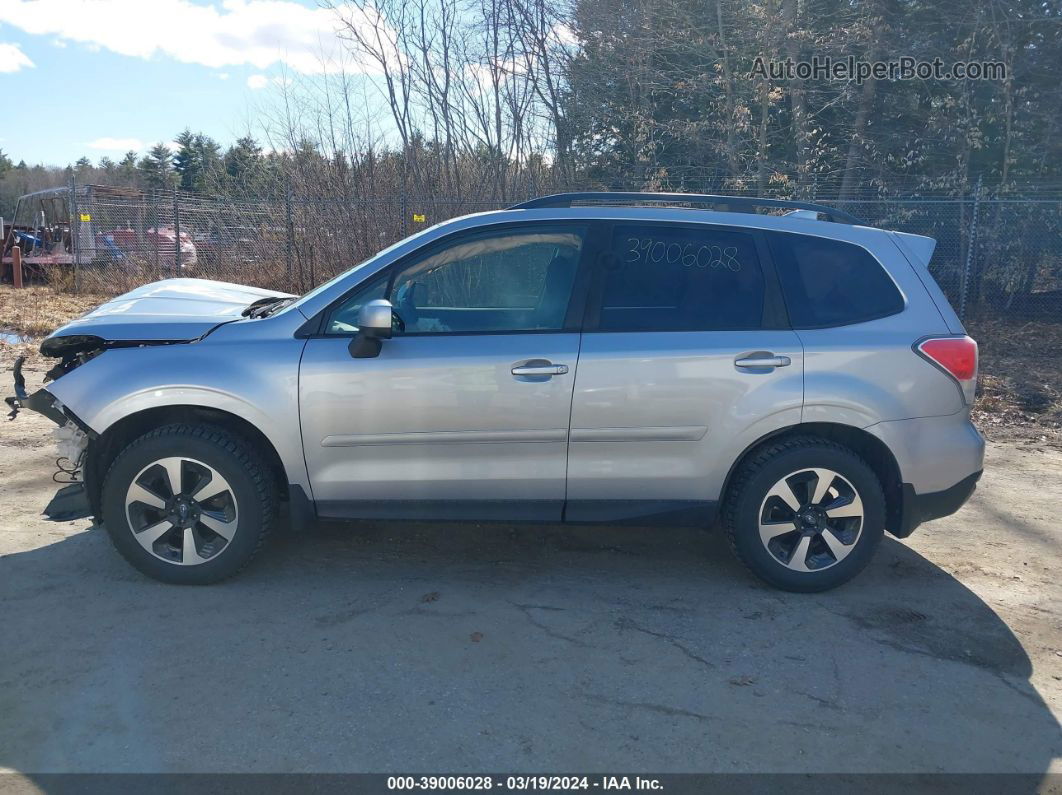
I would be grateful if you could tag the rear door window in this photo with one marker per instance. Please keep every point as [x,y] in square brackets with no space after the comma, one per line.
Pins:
[831,283]
[670,277]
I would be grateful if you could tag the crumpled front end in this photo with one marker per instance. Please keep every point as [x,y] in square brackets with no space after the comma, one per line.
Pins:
[95,361]
[72,440]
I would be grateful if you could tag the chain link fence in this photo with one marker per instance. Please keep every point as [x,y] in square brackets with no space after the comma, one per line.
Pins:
[995,258]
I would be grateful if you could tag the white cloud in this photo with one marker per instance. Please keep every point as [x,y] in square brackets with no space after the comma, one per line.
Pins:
[258,33]
[107,144]
[12,58]
[223,75]
[564,35]
[257,82]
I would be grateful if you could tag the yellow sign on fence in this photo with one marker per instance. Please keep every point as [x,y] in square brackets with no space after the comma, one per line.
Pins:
[85,216]
[418,218]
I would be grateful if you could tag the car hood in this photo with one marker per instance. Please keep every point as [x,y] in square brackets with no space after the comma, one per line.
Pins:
[170,310]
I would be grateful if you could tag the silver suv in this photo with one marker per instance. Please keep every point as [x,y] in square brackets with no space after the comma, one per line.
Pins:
[797,377]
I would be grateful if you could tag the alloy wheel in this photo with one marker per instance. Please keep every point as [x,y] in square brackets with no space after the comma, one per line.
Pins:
[811,519]
[181,510]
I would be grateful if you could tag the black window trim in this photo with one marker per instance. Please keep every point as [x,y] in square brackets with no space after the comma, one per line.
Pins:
[775,239]
[314,328]
[775,317]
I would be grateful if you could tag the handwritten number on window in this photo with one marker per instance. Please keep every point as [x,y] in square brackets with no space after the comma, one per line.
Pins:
[652,251]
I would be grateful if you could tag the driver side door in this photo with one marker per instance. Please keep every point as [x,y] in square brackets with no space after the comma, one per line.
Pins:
[464,414]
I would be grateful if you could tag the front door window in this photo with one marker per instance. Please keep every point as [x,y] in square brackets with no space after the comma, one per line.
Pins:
[504,281]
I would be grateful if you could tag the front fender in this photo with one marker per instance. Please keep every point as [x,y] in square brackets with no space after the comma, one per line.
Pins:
[256,380]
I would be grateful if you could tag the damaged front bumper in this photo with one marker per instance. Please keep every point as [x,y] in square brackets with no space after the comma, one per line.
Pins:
[71,502]
[72,439]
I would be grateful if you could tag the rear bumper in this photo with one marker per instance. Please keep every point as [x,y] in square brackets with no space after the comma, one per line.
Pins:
[933,453]
[940,461]
[918,508]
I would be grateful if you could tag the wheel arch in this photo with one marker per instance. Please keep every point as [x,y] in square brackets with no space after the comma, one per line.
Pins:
[869,447]
[103,450]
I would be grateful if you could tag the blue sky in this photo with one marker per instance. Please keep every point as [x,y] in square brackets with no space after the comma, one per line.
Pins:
[100,77]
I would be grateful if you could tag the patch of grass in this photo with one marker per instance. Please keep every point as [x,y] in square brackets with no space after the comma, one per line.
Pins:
[39,310]
[34,312]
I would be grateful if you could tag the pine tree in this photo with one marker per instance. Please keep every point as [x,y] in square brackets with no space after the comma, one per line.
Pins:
[211,176]
[127,169]
[186,161]
[156,167]
[82,168]
[244,168]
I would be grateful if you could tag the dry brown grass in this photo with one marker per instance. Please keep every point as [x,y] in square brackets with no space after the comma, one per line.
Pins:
[34,312]
[1019,394]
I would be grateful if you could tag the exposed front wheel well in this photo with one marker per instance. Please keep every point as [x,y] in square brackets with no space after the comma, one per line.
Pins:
[865,445]
[103,450]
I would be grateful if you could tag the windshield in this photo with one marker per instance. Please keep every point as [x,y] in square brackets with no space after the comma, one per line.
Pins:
[339,277]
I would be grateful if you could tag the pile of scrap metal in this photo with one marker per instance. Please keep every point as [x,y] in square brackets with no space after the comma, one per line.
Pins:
[47,233]
[40,229]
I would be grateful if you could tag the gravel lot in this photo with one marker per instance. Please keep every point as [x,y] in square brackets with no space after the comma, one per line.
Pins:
[437,648]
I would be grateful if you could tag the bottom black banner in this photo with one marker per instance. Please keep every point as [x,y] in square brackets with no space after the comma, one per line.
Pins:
[673,784]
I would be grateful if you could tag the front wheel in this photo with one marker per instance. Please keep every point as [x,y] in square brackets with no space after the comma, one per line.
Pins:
[805,514]
[188,504]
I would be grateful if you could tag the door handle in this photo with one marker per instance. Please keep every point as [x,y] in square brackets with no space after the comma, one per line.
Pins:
[763,361]
[540,367]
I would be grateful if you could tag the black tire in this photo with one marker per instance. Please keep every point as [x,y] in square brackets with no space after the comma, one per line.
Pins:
[253,491]
[759,474]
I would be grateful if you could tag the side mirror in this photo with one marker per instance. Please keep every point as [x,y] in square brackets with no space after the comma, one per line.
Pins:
[374,325]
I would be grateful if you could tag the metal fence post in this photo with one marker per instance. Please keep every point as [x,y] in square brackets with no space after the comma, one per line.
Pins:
[154,225]
[176,233]
[290,232]
[965,284]
[16,266]
[75,231]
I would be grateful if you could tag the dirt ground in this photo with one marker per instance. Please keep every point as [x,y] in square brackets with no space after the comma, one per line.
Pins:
[1019,392]
[438,648]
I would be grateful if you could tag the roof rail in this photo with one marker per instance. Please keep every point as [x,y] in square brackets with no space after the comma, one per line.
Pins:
[745,203]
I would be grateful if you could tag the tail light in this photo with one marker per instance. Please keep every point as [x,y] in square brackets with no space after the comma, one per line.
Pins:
[957,356]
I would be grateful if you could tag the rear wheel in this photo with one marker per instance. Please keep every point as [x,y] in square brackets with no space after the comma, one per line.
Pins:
[189,504]
[805,514]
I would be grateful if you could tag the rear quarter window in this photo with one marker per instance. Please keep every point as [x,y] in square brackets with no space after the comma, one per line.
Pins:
[831,283]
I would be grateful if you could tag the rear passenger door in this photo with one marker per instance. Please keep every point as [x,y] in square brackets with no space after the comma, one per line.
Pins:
[686,358]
